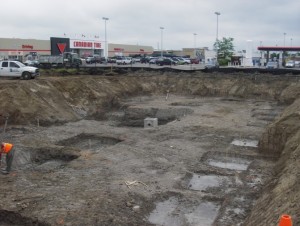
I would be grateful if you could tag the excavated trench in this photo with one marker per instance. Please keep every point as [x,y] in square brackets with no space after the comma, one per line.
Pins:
[9,218]
[201,165]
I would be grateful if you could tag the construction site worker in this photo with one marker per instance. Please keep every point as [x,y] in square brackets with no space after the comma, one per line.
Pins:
[8,150]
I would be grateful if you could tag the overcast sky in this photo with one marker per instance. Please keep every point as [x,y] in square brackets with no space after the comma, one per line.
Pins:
[139,21]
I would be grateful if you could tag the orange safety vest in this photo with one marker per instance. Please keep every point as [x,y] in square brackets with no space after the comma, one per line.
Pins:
[6,147]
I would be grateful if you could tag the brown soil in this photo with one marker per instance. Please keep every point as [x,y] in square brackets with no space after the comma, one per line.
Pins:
[83,156]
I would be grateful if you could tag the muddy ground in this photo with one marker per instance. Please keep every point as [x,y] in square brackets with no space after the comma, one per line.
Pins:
[225,150]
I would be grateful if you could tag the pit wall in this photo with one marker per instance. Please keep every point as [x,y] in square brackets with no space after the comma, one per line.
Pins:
[282,194]
[63,99]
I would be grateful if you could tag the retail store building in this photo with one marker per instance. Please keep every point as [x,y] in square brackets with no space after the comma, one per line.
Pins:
[23,49]
[15,48]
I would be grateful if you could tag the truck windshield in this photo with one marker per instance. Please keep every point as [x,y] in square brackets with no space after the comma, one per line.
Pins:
[20,64]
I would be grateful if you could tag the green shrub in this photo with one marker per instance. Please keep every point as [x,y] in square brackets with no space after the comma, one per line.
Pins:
[223,62]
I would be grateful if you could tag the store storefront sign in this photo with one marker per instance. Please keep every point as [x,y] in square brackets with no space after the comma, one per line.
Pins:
[82,44]
[27,46]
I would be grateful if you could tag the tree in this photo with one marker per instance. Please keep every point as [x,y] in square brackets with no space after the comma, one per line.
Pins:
[224,48]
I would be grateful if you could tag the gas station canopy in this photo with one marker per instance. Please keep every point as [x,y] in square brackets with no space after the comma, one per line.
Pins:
[278,48]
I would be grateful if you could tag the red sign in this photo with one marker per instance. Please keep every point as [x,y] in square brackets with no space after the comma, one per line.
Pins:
[27,47]
[61,47]
[83,44]
[97,45]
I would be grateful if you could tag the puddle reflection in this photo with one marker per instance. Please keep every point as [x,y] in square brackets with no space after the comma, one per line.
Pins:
[231,163]
[202,182]
[174,213]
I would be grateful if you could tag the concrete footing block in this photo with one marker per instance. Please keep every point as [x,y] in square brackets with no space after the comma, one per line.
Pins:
[150,122]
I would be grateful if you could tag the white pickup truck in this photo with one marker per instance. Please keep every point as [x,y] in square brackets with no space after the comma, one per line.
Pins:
[11,68]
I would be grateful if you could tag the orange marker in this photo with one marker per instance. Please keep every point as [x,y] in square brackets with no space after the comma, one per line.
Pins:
[285,220]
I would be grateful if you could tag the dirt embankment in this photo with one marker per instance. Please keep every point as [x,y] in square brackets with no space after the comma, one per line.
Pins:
[51,100]
[282,194]
[57,100]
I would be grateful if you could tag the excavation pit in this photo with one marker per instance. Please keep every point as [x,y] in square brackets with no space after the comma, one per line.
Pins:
[10,218]
[91,190]
[90,141]
[135,116]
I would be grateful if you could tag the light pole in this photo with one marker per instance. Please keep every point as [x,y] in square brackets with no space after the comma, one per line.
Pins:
[218,14]
[195,44]
[217,38]
[161,41]
[291,42]
[106,45]
[284,34]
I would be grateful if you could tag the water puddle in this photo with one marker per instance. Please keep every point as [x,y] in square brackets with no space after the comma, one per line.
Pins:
[245,143]
[174,213]
[230,163]
[203,215]
[166,214]
[202,182]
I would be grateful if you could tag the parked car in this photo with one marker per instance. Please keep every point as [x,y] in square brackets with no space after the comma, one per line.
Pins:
[124,60]
[153,60]
[179,61]
[90,60]
[195,61]
[111,60]
[165,61]
[145,60]
[211,64]
[290,64]
[183,60]
[272,65]
[136,59]
[187,60]
[32,63]
[98,58]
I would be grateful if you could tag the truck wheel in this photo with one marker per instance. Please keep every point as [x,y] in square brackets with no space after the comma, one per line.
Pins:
[26,76]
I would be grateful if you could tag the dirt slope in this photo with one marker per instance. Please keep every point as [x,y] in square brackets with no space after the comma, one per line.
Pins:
[61,99]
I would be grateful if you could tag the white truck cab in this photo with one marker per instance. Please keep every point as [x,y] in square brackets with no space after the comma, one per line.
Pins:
[11,68]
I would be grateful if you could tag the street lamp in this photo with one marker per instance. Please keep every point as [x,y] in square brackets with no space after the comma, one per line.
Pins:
[291,42]
[161,41]
[218,14]
[106,46]
[195,44]
[284,34]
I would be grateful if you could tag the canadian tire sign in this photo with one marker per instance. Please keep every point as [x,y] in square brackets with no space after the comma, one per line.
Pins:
[59,45]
